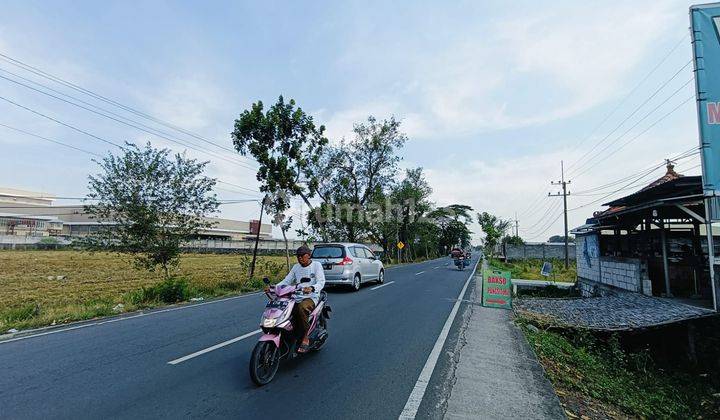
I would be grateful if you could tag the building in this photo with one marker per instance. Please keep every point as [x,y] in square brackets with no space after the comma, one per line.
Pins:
[653,242]
[27,213]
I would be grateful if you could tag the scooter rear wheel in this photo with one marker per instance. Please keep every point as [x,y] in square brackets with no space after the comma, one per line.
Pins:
[264,362]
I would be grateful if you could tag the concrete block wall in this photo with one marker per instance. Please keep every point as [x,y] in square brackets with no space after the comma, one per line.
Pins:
[587,258]
[538,251]
[621,273]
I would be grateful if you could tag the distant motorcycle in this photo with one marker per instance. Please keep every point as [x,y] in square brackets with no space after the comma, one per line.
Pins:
[460,263]
[278,341]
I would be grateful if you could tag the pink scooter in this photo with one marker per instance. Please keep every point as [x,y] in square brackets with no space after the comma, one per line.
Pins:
[278,340]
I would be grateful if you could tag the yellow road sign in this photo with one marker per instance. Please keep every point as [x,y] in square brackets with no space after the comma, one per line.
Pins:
[400,245]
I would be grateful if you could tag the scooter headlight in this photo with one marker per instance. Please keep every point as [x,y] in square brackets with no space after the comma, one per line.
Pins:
[269,322]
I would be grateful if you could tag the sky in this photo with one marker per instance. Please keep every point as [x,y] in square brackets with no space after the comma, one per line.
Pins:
[492,95]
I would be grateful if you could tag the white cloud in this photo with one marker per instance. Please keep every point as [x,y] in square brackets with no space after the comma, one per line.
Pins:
[508,70]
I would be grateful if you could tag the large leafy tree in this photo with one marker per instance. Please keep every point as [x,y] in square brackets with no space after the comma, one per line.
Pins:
[288,146]
[286,143]
[356,173]
[151,202]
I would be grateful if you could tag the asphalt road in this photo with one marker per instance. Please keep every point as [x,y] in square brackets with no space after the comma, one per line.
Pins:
[380,340]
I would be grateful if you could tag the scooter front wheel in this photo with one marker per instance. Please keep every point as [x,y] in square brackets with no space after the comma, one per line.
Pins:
[264,362]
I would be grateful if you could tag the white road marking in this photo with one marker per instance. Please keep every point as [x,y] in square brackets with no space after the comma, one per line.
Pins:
[435,268]
[123,318]
[418,392]
[419,272]
[383,285]
[211,348]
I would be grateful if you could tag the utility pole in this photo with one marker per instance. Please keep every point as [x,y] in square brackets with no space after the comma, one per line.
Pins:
[517,227]
[257,236]
[564,195]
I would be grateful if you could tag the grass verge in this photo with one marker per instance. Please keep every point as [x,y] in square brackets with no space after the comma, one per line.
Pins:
[40,288]
[530,269]
[596,378]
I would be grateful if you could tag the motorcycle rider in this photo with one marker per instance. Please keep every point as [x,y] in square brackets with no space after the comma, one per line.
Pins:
[304,303]
[456,253]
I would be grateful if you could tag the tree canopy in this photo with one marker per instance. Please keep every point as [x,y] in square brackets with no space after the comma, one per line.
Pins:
[155,202]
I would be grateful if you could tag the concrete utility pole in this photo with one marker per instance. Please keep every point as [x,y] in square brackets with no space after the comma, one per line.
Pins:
[517,228]
[564,195]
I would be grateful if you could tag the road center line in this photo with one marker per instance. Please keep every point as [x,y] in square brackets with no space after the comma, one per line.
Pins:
[419,272]
[418,392]
[383,285]
[211,348]
[435,268]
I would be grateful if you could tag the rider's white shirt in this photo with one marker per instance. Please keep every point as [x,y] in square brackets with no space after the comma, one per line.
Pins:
[314,271]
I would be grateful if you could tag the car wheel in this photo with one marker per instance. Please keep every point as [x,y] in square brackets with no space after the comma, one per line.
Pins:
[381,277]
[356,283]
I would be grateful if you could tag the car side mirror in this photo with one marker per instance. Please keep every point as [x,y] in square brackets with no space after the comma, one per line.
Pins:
[266,280]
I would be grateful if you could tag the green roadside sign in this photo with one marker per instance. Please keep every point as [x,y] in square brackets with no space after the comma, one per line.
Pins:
[497,289]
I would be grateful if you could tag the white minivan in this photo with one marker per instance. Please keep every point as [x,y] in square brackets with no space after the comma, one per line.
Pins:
[348,264]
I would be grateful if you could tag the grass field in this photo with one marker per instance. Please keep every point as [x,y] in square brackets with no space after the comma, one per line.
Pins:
[530,270]
[32,294]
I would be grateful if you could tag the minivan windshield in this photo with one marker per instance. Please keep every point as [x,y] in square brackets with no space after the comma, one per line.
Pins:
[328,252]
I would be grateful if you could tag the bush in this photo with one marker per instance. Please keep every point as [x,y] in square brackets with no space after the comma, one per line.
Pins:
[20,313]
[171,290]
[600,369]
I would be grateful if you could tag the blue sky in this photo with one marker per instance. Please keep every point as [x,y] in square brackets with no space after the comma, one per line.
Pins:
[492,95]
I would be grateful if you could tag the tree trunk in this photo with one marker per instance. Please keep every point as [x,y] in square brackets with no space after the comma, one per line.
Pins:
[257,238]
[287,252]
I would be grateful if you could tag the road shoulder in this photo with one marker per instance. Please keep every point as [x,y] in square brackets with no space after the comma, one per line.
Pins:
[497,374]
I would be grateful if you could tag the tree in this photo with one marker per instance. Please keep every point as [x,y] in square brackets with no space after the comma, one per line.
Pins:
[276,206]
[513,240]
[151,202]
[355,174]
[460,210]
[453,232]
[561,239]
[494,229]
[287,145]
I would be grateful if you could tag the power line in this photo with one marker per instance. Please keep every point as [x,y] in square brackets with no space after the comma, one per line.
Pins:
[631,115]
[551,209]
[622,102]
[97,138]
[34,70]
[547,227]
[60,122]
[638,135]
[681,156]
[138,127]
[50,140]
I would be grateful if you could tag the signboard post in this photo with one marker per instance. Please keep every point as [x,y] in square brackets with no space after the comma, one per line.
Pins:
[497,289]
[705,28]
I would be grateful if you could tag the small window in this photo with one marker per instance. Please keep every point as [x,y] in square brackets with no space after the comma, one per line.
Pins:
[369,253]
[357,252]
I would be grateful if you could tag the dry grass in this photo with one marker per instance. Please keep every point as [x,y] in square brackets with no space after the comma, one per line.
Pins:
[31,295]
